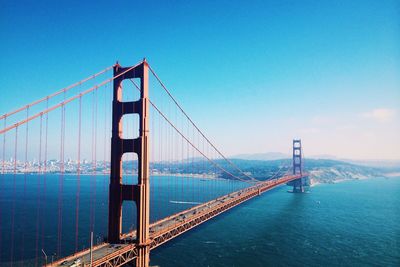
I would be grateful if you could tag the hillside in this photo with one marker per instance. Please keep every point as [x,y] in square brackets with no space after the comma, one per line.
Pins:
[320,170]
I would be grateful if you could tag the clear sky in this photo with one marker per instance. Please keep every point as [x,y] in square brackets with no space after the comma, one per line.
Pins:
[253,74]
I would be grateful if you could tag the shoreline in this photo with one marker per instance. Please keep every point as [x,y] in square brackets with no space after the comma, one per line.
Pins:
[315,183]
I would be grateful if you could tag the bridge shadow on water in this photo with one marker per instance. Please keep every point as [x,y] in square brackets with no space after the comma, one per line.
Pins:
[242,236]
[284,220]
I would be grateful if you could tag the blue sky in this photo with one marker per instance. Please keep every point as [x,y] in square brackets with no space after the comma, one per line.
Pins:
[253,74]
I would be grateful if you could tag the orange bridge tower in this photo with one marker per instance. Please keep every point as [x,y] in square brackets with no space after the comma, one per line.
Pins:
[140,192]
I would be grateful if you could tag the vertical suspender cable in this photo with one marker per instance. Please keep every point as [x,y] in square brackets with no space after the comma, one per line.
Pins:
[104,140]
[4,146]
[14,191]
[204,172]
[38,193]
[44,176]
[78,170]
[160,156]
[183,164]
[95,163]
[1,181]
[61,182]
[92,171]
[24,192]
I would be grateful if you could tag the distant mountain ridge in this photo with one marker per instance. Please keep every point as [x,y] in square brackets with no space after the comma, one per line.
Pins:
[278,155]
[320,170]
[262,156]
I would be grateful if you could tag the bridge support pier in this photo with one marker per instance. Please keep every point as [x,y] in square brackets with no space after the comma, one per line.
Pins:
[143,257]
[140,192]
[298,186]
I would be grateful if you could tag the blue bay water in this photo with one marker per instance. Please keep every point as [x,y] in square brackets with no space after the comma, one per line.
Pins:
[354,223]
[30,210]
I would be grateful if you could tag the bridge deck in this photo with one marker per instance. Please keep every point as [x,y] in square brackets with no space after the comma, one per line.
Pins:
[166,229]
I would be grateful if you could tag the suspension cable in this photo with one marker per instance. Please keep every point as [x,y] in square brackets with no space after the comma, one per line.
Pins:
[187,139]
[198,150]
[63,103]
[286,164]
[197,128]
[56,93]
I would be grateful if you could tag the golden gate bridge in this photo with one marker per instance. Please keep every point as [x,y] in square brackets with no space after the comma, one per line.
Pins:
[132,135]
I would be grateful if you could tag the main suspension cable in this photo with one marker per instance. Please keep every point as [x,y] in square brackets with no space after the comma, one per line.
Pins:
[197,128]
[56,93]
[191,144]
[187,139]
[63,103]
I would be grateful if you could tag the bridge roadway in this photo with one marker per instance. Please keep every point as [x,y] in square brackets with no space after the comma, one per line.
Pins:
[110,255]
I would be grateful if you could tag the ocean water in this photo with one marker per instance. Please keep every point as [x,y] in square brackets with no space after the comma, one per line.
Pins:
[353,223]
[31,209]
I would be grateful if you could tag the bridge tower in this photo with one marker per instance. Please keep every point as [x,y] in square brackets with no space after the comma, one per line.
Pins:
[298,185]
[140,192]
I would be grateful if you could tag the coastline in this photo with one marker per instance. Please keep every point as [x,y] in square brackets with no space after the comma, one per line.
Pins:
[315,182]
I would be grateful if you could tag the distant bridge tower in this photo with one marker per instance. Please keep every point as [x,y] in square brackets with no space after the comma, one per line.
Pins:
[140,192]
[298,185]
